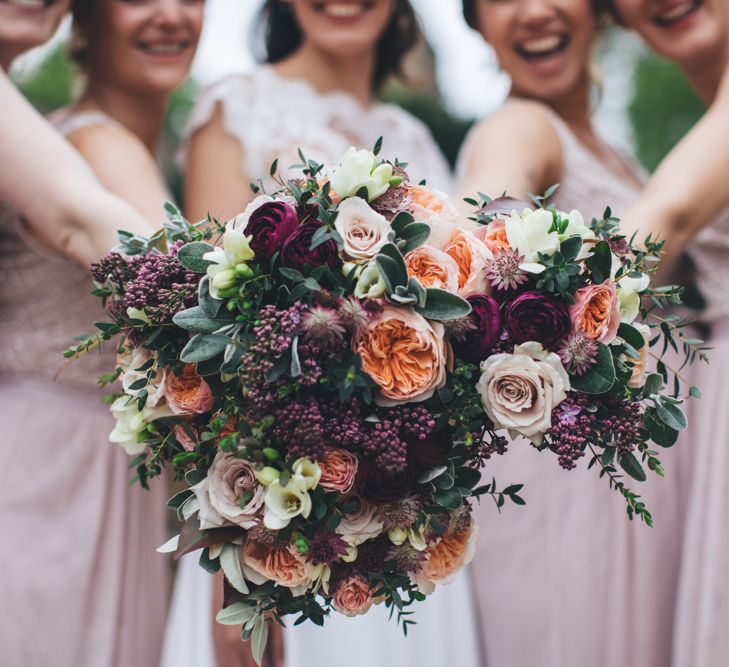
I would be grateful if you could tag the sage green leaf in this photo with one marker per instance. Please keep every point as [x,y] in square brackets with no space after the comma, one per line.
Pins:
[195,319]
[259,639]
[204,346]
[235,614]
[441,305]
[414,235]
[672,415]
[191,256]
[230,562]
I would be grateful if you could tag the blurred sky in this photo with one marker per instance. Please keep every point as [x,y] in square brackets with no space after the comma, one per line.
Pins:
[467,73]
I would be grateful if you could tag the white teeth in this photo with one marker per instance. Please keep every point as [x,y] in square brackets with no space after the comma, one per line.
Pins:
[677,12]
[541,44]
[28,4]
[343,10]
[164,48]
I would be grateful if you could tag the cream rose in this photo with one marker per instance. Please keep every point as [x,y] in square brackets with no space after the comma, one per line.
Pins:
[219,494]
[404,354]
[519,391]
[130,422]
[363,231]
[131,362]
[361,525]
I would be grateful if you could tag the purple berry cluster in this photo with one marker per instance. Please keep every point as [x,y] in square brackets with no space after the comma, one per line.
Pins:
[571,430]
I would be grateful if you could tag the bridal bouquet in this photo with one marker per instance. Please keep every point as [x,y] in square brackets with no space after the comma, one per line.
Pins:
[330,371]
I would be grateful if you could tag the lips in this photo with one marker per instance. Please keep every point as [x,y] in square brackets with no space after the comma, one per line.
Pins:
[343,10]
[542,46]
[676,12]
[30,4]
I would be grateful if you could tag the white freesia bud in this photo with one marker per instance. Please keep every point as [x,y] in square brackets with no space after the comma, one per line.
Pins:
[138,314]
[350,556]
[628,293]
[529,234]
[283,503]
[397,536]
[576,226]
[417,538]
[131,422]
[306,474]
[223,279]
[237,247]
[370,283]
[357,170]
[267,475]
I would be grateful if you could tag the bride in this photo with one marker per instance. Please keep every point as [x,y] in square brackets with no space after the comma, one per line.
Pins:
[315,92]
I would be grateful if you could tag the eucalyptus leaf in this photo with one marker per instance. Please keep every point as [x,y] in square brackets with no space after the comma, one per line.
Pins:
[191,256]
[632,466]
[600,377]
[450,498]
[672,415]
[430,475]
[631,335]
[571,247]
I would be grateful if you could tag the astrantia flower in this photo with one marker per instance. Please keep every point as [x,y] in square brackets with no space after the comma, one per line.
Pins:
[353,314]
[578,353]
[406,557]
[504,272]
[326,548]
[323,325]
[400,513]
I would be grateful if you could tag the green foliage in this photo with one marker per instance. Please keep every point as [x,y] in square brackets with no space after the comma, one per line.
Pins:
[663,109]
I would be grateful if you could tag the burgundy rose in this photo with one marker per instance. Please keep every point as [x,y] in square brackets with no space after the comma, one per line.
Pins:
[483,330]
[270,225]
[297,252]
[536,317]
[378,486]
[433,450]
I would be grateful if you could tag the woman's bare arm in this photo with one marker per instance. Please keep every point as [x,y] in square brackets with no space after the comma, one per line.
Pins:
[51,185]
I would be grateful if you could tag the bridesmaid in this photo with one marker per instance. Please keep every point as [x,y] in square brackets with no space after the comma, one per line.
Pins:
[678,205]
[325,62]
[76,558]
[567,581]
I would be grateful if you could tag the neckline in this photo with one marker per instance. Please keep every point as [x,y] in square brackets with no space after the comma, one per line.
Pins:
[331,95]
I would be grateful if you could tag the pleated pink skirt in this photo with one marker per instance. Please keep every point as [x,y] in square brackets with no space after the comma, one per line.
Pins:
[80,582]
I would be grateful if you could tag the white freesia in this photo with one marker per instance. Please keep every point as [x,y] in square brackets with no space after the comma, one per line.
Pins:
[529,234]
[370,283]
[130,422]
[576,226]
[628,293]
[399,536]
[138,314]
[363,230]
[520,390]
[305,474]
[131,362]
[283,503]
[236,251]
[357,170]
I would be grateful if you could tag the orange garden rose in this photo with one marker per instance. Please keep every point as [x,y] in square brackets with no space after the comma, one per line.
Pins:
[436,209]
[596,312]
[471,256]
[447,557]
[353,597]
[494,236]
[433,268]
[338,470]
[282,564]
[404,354]
[187,393]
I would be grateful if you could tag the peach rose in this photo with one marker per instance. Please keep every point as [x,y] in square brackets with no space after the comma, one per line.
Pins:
[639,365]
[446,558]
[472,256]
[494,236]
[338,470]
[435,208]
[404,354]
[188,393]
[596,312]
[433,268]
[280,563]
[361,525]
[353,597]
[183,438]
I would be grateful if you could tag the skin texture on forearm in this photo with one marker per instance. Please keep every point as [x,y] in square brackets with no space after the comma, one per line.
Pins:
[691,185]
[49,183]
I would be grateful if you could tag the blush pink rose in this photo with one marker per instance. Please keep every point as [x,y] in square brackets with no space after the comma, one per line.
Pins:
[188,393]
[472,257]
[338,470]
[596,312]
[353,597]
[494,236]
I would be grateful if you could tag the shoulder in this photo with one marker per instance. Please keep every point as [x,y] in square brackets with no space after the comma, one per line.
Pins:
[111,145]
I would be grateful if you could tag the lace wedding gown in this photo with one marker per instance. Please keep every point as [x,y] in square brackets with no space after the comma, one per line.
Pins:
[272,117]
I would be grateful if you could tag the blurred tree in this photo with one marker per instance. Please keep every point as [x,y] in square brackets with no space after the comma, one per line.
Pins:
[663,109]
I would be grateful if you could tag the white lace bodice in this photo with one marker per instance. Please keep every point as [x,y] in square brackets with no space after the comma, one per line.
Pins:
[272,117]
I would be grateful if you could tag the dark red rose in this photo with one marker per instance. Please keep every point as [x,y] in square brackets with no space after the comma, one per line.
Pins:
[476,342]
[433,450]
[379,486]
[297,251]
[270,225]
[536,317]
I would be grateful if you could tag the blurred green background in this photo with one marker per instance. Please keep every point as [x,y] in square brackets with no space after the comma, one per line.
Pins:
[662,107]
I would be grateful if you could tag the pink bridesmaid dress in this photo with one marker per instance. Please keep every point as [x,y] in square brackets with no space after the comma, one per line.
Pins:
[568,580]
[80,582]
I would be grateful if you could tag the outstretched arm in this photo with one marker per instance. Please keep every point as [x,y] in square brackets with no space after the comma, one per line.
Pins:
[691,185]
[51,185]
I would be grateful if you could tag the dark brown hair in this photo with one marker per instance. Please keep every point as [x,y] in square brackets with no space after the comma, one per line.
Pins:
[282,37]
[81,12]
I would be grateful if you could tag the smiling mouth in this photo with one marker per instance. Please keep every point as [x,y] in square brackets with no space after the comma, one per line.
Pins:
[344,10]
[677,12]
[542,47]
[168,48]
